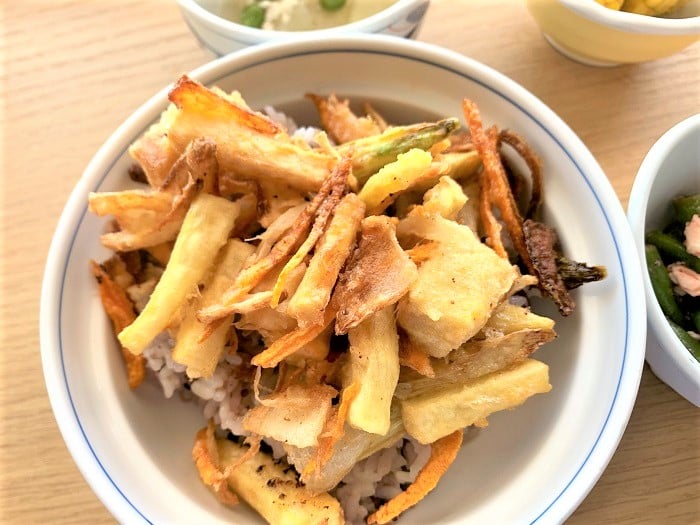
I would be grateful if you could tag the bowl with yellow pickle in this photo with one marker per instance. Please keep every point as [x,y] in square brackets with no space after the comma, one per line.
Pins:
[613,32]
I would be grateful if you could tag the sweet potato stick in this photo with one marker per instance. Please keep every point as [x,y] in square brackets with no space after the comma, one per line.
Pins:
[201,357]
[288,243]
[204,231]
[121,312]
[442,453]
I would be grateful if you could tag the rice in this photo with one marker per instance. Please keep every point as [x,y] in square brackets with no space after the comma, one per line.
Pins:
[227,395]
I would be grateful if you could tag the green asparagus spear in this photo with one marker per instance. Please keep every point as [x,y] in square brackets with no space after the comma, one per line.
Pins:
[574,273]
[372,153]
[673,248]
[661,283]
[686,206]
[691,344]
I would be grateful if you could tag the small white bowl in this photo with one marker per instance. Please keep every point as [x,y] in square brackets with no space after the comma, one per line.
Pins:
[531,465]
[671,168]
[222,36]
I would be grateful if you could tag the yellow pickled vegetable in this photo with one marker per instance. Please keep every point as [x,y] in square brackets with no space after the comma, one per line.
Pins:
[652,7]
[611,4]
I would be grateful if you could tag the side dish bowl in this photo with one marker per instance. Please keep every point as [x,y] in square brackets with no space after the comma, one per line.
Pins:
[222,36]
[671,168]
[531,465]
[590,33]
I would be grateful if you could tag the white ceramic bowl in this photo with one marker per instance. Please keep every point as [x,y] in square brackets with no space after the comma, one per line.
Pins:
[223,36]
[671,168]
[592,34]
[532,465]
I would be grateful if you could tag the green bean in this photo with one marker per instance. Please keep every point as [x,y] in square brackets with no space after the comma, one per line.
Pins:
[695,319]
[673,248]
[688,341]
[253,15]
[661,283]
[332,5]
[686,206]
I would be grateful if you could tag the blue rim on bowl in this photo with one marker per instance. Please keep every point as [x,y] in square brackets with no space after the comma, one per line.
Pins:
[560,502]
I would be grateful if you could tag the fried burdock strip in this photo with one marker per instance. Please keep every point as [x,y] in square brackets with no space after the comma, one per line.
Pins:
[317,229]
[442,454]
[309,302]
[248,143]
[283,248]
[339,121]
[534,163]
[120,310]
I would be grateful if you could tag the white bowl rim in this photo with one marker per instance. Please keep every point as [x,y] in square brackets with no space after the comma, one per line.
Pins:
[595,462]
[633,22]
[636,214]
[226,28]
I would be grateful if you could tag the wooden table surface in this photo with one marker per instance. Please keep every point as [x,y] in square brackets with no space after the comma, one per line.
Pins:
[73,70]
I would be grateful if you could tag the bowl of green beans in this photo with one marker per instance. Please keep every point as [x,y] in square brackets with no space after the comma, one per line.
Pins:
[664,213]
[225,26]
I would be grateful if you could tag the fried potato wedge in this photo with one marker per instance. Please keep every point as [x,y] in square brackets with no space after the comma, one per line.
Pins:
[204,231]
[456,289]
[248,143]
[313,294]
[443,452]
[374,366]
[436,414]
[341,124]
[274,492]
[200,354]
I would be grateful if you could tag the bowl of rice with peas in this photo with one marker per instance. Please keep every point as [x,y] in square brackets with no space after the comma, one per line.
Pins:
[224,26]
[342,301]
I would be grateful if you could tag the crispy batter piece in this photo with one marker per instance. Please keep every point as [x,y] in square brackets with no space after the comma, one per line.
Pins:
[442,454]
[206,459]
[341,124]
[121,312]
[378,275]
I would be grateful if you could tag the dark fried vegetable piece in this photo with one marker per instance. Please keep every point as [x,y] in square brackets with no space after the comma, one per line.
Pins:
[541,240]
[518,143]
[575,274]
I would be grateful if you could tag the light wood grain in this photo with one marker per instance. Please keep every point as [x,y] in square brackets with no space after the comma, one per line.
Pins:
[72,71]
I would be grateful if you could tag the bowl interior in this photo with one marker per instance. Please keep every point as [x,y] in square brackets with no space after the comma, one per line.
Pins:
[534,464]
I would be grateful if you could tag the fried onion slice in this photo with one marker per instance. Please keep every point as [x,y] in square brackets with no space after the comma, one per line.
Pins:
[442,454]
[379,274]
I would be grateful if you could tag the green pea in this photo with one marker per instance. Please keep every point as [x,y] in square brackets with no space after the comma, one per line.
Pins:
[253,15]
[331,5]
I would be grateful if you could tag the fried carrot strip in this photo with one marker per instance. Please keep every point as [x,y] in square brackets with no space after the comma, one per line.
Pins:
[486,144]
[120,310]
[443,452]
[413,357]
[341,172]
[287,244]
[490,224]
[206,459]
[293,341]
